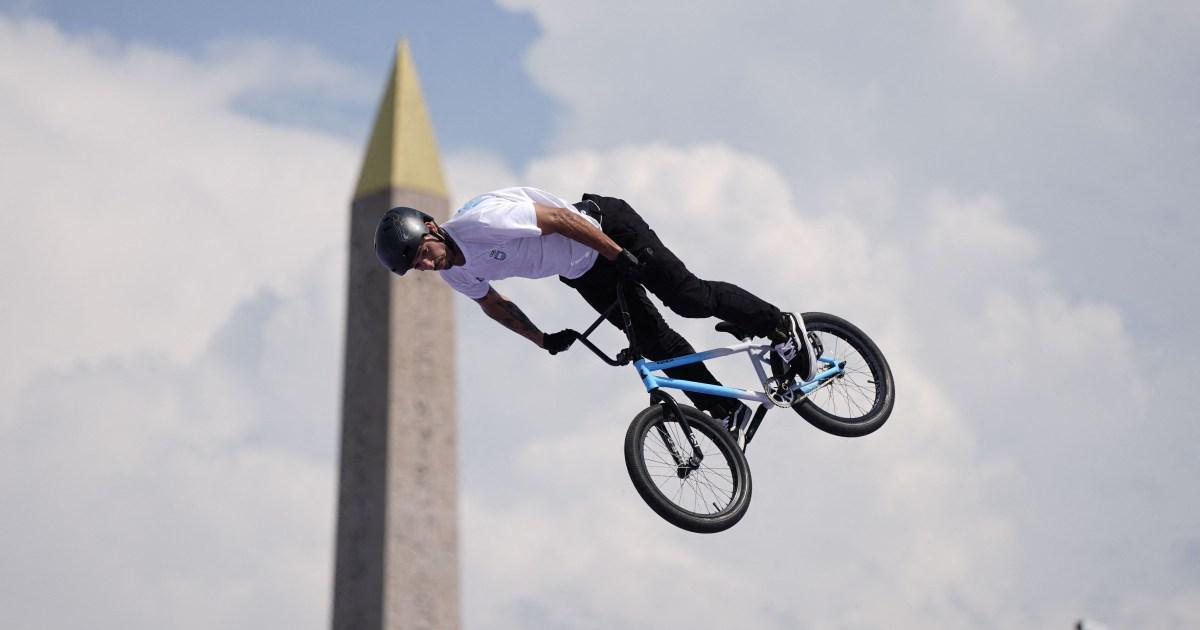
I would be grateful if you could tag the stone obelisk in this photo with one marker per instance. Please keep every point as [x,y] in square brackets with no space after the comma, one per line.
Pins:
[397,526]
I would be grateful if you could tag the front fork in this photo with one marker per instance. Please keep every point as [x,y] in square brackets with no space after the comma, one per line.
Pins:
[684,464]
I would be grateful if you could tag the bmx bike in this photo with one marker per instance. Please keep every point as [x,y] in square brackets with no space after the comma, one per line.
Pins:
[691,469]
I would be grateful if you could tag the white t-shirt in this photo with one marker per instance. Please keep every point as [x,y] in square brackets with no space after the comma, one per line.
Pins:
[498,235]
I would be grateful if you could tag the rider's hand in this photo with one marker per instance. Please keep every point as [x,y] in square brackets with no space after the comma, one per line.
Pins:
[559,341]
[628,265]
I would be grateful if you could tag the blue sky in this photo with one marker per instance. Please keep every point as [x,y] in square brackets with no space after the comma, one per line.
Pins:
[1001,193]
[465,48]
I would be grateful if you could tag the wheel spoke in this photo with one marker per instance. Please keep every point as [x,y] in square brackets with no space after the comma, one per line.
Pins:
[856,392]
[706,490]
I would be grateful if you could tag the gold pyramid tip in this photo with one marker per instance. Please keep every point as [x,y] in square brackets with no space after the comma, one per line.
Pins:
[402,152]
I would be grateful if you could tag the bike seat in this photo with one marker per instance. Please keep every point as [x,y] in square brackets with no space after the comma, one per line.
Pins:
[733,329]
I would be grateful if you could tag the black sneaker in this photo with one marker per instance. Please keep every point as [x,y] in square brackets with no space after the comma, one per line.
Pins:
[791,344]
[736,418]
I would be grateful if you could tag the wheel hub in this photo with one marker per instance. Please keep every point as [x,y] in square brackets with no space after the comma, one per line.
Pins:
[683,470]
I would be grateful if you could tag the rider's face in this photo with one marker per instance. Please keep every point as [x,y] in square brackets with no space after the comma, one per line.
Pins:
[432,255]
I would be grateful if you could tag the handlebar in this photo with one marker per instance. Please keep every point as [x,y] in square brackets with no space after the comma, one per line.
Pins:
[625,356]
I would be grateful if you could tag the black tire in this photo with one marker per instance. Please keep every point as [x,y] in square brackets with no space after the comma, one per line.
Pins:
[722,481]
[861,400]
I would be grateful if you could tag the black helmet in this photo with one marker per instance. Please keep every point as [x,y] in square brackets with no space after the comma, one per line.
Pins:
[398,236]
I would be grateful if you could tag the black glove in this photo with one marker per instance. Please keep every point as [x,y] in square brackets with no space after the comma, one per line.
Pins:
[559,341]
[629,266]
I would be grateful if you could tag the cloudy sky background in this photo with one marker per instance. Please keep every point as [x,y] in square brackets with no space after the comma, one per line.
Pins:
[1002,193]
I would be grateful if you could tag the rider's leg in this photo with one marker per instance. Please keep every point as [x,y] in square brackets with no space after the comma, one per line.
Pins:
[656,340]
[669,279]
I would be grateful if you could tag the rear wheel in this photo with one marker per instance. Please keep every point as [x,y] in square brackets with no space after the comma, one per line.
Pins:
[707,497]
[858,401]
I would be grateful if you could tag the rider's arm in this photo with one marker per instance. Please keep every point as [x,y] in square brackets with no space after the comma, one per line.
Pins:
[551,220]
[506,312]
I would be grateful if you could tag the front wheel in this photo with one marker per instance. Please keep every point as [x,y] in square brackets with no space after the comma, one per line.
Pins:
[859,400]
[707,497]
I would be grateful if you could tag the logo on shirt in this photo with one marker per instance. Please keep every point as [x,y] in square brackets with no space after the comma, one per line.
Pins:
[470,204]
[497,254]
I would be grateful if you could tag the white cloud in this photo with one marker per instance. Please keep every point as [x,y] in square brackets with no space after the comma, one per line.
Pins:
[938,519]
[1000,187]
[168,396]
[1000,33]
[153,492]
[1071,112]
[1021,39]
[173,300]
[149,206]
[468,172]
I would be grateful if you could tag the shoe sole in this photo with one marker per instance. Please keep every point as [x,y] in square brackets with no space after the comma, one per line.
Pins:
[803,338]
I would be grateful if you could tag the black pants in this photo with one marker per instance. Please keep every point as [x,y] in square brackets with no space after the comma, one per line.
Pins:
[679,289]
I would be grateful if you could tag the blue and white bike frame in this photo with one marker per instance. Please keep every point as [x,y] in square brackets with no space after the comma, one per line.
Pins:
[758,354]
[758,358]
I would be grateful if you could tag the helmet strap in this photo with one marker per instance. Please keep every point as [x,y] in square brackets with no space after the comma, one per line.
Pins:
[439,234]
